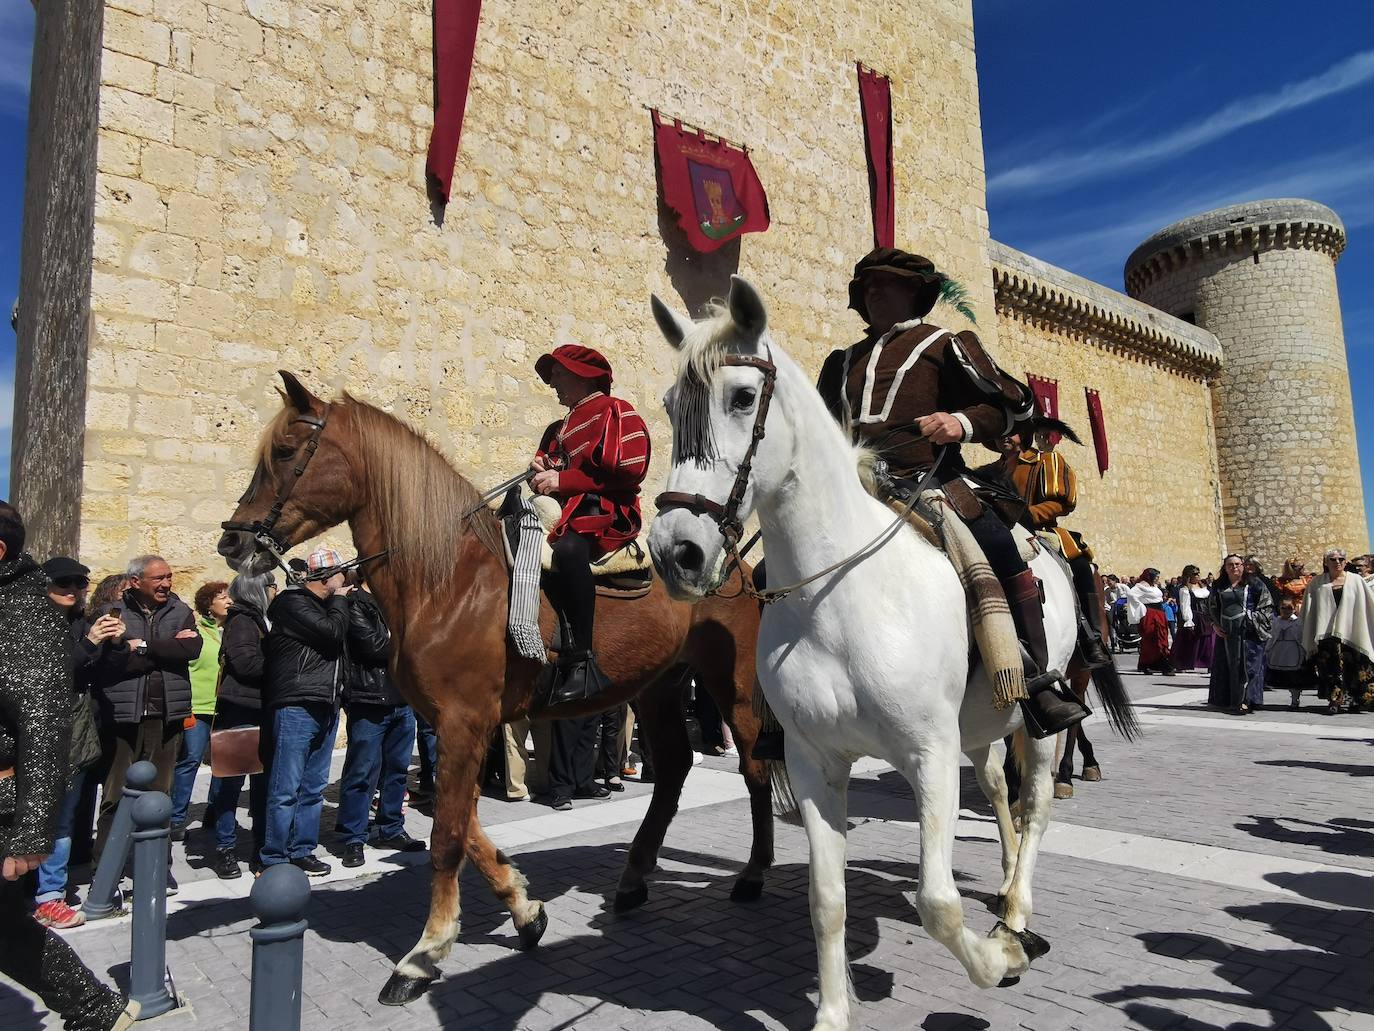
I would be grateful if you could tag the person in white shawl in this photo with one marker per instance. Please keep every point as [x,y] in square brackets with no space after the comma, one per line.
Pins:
[1338,632]
[1145,605]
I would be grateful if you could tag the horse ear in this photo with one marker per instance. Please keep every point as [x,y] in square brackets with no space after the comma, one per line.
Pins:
[673,327]
[296,395]
[746,308]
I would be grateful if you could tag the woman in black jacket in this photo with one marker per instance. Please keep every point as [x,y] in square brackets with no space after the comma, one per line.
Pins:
[243,669]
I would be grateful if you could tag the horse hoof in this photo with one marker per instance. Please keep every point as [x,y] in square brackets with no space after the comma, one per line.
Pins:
[1007,982]
[1063,789]
[1092,774]
[1034,945]
[534,930]
[746,891]
[628,900]
[401,989]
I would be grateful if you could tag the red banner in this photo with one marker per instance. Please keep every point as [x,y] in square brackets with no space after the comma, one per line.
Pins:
[710,184]
[875,100]
[1046,393]
[1099,428]
[455,40]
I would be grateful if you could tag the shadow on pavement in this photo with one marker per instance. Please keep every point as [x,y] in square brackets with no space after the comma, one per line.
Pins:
[1345,837]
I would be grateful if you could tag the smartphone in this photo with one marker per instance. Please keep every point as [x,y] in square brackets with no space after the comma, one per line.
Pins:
[115,611]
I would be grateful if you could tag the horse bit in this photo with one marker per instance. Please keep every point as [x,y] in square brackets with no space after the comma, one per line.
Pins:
[263,530]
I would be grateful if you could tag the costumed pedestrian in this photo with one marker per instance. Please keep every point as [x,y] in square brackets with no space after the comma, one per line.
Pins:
[913,392]
[1195,641]
[1145,606]
[592,462]
[1338,634]
[1285,659]
[1242,609]
[1292,584]
[1049,487]
[35,767]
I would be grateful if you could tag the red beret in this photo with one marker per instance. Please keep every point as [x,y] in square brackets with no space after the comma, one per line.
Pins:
[580,361]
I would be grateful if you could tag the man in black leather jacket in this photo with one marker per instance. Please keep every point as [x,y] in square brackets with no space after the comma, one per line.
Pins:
[305,664]
[381,733]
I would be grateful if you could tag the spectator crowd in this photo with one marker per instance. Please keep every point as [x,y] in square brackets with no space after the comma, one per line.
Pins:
[1298,632]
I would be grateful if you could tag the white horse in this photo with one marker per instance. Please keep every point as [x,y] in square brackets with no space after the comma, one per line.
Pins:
[870,660]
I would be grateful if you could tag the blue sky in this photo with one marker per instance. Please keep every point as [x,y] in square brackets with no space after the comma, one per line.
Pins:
[1102,122]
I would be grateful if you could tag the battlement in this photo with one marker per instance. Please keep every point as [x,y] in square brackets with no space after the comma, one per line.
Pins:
[1036,291]
[1250,228]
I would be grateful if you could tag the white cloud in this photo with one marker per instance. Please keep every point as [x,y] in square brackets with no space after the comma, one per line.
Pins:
[1060,170]
[16,48]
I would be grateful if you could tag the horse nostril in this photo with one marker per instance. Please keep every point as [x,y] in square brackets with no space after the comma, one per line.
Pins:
[688,556]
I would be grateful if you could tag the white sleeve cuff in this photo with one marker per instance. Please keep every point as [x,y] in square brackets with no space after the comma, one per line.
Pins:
[968,426]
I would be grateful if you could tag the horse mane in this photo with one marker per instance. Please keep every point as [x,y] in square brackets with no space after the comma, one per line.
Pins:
[420,498]
[422,501]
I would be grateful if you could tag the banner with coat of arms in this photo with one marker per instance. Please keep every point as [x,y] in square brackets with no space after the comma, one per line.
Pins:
[709,183]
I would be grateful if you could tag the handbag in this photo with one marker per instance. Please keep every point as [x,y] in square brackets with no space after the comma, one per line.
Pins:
[234,752]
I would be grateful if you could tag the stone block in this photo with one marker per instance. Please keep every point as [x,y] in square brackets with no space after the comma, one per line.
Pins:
[121,294]
[113,477]
[159,416]
[210,310]
[130,73]
[167,166]
[118,153]
[145,117]
[163,256]
[198,131]
[217,62]
[137,35]
[107,411]
[197,217]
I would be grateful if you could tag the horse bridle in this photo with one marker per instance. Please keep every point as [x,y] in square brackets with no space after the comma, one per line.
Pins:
[726,516]
[264,530]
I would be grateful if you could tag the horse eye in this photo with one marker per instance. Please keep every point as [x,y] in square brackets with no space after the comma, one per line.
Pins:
[742,400]
[282,452]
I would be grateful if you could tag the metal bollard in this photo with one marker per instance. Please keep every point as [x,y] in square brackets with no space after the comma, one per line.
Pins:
[152,813]
[103,898]
[278,899]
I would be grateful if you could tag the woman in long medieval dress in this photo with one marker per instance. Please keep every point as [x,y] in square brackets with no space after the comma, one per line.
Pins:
[1242,609]
[1194,642]
[1338,632]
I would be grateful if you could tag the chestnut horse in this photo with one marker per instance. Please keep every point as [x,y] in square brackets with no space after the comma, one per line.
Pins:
[443,587]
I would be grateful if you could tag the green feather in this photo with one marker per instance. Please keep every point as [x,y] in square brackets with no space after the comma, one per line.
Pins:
[952,292]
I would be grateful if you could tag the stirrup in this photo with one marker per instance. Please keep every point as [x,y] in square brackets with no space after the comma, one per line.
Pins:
[576,677]
[1090,646]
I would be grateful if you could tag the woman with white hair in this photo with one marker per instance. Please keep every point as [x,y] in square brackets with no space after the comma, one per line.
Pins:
[1338,632]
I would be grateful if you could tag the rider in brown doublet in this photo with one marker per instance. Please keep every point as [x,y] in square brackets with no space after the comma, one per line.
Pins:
[911,390]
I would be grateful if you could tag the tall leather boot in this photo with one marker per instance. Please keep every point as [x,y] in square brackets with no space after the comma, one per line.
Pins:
[1090,621]
[576,674]
[1049,709]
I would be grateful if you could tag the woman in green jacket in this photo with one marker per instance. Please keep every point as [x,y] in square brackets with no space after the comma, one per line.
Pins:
[212,605]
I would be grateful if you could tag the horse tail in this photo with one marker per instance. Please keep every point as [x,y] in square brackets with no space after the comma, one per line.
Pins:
[1120,713]
[785,806]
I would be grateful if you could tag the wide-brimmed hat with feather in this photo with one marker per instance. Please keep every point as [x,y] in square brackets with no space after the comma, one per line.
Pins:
[920,270]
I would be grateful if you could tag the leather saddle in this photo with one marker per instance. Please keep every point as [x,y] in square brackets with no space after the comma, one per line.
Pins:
[626,573]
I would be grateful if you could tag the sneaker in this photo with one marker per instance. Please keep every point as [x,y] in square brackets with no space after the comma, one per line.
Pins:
[313,867]
[352,854]
[226,865]
[56,914]
[561,805]
[172,887]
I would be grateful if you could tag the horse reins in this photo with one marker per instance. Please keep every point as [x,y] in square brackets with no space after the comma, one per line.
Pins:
[726,516]
[264,530]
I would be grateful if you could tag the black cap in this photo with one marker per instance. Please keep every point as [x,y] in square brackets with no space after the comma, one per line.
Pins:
[60,567]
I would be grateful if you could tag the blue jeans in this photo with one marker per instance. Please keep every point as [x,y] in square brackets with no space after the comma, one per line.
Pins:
[380,738]
[52,872]
[222,804]
[428,744]
[194,742]
[303,738]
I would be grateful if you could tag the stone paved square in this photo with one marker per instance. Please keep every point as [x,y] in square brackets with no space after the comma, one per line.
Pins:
[1221,875]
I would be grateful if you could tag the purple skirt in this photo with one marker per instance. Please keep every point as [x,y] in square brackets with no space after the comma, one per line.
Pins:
[1194,648]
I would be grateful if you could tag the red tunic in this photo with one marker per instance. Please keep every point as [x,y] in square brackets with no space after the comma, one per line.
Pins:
[601,451]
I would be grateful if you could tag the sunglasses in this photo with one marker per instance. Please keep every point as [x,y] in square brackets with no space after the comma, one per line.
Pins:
[70,584]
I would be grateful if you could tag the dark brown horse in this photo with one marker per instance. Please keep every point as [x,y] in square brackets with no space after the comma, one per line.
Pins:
[444,590]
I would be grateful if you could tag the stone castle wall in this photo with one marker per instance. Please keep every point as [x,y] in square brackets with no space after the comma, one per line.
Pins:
[1262,278]
[1157,504]
[261,204]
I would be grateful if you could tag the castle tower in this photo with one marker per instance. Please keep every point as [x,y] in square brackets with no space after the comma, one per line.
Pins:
[1262,277]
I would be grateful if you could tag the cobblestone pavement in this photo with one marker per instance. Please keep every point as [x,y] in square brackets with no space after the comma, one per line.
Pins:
[1220,876]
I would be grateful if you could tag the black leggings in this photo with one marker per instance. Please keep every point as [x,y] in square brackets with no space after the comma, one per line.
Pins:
[573,590]
[998,545]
